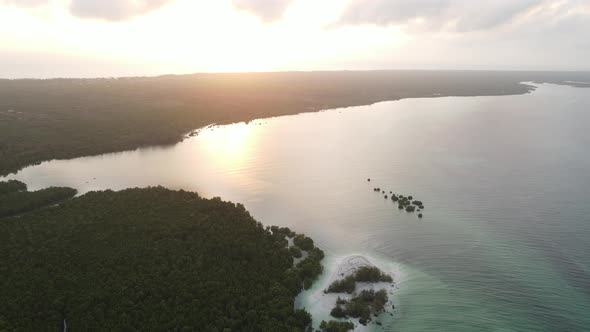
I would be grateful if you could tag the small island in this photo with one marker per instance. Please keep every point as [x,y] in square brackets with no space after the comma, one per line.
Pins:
[362,290]
[407,203]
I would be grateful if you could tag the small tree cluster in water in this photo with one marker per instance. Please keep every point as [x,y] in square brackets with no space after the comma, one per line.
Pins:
[407,203]
[150,260]
[363,274]
[366,302]
[336,326]
[362,306]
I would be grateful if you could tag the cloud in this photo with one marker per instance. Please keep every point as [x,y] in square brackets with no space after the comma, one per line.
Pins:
[458,15]
[267,10]
[548,36]
[23,3]
[109,10]
[114,10]
[384,12]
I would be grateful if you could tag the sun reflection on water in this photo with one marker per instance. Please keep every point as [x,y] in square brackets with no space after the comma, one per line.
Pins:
[229,146]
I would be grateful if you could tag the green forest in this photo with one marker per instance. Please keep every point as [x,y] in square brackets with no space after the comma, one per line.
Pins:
[149,260]
[66,118]
[11,186]
[14,199]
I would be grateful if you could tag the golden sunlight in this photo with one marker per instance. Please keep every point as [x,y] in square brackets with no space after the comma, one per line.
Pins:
[228,146]
[202,36]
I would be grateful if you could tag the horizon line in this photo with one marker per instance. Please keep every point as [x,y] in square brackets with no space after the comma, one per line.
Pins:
[294,71]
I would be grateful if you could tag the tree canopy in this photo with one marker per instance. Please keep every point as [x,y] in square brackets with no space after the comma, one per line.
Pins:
[336,326]
[363,274]
[149,259]
[361,306]
[11,186]
[16,202]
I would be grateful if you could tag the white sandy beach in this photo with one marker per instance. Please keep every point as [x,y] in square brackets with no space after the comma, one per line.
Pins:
[320,304]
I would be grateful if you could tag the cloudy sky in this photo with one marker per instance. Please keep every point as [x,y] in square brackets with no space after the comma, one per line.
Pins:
[89,38]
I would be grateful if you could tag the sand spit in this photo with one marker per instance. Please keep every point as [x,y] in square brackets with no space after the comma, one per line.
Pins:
[319,304]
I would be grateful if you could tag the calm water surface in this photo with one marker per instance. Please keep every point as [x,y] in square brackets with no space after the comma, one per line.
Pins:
[504,244]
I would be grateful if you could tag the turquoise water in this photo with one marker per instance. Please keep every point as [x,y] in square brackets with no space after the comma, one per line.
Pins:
[504,244]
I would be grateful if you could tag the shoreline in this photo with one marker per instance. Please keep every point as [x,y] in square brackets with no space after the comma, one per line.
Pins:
[195,101]
[196,132]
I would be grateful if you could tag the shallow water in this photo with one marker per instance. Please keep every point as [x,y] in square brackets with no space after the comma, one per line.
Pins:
[320,304]
[505,239]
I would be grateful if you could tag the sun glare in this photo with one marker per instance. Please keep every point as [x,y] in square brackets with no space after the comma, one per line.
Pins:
[203,36]
[229,146]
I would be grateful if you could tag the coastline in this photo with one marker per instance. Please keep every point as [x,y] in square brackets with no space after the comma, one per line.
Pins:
[196,101]
[194,133]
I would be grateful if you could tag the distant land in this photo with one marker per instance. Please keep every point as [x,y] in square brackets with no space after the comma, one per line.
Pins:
[66,118]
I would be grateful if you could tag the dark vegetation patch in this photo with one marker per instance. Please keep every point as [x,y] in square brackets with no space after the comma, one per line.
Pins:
[336,326]
[14,199]
[362,306]
[11,186]
[295,252]
[407,203]
[149,260]
[363,274]
[303,242]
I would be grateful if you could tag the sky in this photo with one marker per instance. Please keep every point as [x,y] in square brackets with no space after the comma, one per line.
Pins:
[105,38]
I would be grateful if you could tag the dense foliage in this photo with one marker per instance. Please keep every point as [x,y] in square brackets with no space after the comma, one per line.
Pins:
[336,326]
[11,186]
[303,242]
[295,252]
[284,231]
[310,268]
[367,302]
[363,274]
[345,285]
[148,260]
[371,274]
[66,118]
[22,201]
